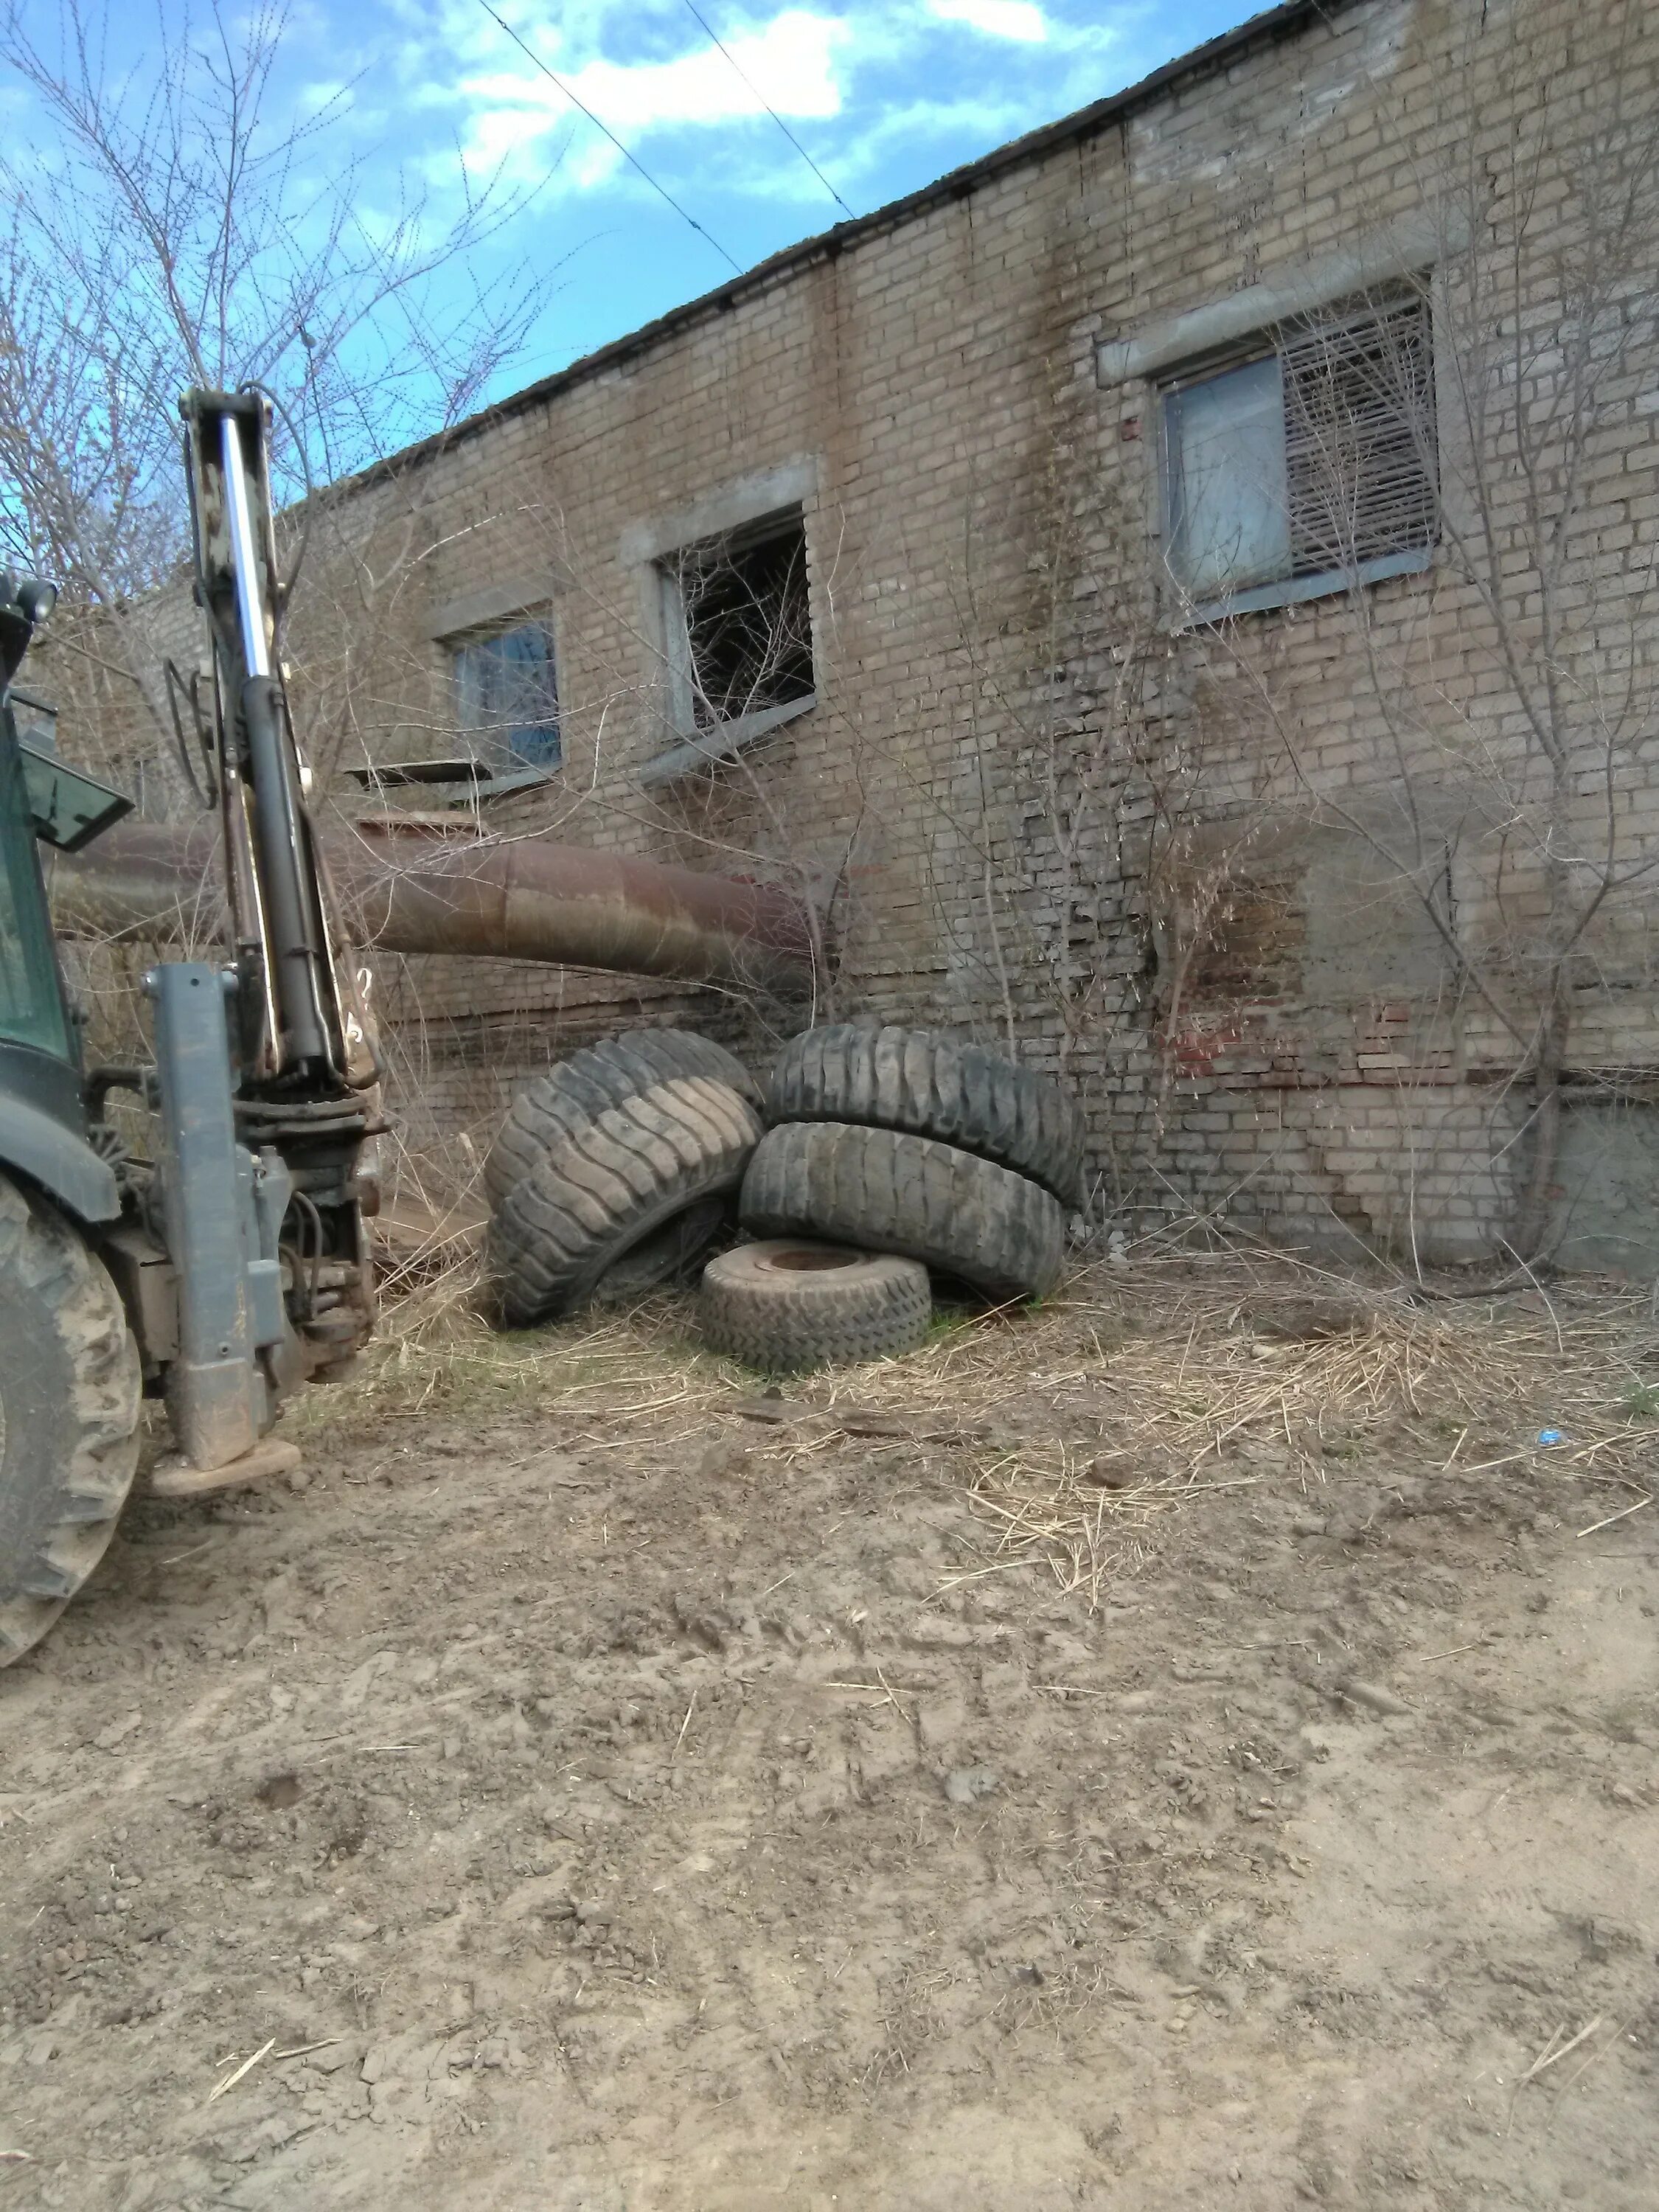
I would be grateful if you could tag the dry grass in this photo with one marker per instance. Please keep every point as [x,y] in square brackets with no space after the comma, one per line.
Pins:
[1071,1431]
[1182,1372]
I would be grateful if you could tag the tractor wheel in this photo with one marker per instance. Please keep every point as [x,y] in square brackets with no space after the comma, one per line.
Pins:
[69,1387]
[784,1307]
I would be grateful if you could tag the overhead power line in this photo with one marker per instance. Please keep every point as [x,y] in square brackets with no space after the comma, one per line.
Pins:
[700,18]
[633,159]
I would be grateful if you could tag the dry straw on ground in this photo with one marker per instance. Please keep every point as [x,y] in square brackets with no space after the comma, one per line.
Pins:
[1070,1432]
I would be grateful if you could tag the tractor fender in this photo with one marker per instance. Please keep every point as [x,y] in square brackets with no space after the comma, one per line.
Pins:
[35,1145]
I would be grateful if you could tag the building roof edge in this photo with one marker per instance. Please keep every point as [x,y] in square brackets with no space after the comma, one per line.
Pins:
[1274,23]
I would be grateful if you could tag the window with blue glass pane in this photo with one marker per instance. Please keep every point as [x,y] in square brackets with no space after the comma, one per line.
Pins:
[1230,524]
[507,697]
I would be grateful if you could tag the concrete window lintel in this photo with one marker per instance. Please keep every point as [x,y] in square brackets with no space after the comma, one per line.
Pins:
[495,602]
[728,507]
[1388,254]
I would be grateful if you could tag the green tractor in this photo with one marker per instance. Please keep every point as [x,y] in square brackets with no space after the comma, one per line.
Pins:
[224,1259]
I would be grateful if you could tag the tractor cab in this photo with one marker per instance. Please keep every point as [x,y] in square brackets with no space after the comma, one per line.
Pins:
[41,800]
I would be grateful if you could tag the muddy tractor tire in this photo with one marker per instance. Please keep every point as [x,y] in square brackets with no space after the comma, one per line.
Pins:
[623,1197]
[69,1387]
[601,1075]
[964,1217]
[787,1306]
[926,1084]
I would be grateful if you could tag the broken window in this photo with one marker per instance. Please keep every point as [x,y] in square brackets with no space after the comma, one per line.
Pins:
[507,699]
[1307,465]
[748,630]
[739,634]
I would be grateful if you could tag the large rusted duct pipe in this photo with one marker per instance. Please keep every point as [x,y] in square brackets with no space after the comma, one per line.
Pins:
[524,898]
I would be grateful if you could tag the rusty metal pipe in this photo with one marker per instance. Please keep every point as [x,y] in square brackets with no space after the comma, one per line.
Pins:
[524,898]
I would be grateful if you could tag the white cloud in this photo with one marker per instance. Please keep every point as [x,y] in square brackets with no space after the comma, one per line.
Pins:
[1021,20]
[790,62]
[790,65]
[872,81]
[972,119]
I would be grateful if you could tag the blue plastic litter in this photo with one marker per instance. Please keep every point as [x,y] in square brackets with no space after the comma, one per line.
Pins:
[1551,1436]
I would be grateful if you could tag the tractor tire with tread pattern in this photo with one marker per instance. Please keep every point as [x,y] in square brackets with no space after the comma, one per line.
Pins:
[69,1388]
[620,1199]
[785,1306]
[963,1217]
[928,1084]
[601,1075]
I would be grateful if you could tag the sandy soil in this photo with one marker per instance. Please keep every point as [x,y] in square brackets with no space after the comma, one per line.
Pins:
[587,1792]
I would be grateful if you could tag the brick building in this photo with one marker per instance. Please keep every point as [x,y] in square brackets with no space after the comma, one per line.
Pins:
[1178,593]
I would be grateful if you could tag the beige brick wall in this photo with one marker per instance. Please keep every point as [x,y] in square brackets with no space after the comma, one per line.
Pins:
[1009,757]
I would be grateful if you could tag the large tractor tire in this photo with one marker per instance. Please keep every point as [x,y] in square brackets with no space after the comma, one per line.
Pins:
[963,1217]
[69,1387]
[601,1075]
[928,1084]
[787,1306]
[622,1198]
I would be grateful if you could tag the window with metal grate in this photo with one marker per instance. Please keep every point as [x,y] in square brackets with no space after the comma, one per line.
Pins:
[1306,464]
[1358,437]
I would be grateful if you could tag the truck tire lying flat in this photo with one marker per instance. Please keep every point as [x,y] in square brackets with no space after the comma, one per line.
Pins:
[930,1084]
[620,1199]
[961,1216]
[602,1075]
[785,1306]
[68,1415]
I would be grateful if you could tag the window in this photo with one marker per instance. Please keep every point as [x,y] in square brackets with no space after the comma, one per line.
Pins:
[507,699]
[746,621]
[31,1002]
[1305,466]
[738,634]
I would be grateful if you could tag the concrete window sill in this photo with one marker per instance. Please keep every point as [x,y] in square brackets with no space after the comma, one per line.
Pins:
[456,782]
[710,747]
[1294,590]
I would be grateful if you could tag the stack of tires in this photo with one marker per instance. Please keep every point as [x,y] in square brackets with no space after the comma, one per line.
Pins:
[893,1156]
[876,1161]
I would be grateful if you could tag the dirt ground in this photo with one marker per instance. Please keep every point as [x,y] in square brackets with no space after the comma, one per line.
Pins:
[1174,1750]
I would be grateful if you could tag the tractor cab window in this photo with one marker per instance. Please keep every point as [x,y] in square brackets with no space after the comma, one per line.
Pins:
[31,1001]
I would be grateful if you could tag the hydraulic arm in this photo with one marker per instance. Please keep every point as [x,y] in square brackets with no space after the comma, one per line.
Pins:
[305,1072]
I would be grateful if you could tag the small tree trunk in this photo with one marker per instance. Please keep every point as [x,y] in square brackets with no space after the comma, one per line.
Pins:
[1536,1201]
[1536,1205]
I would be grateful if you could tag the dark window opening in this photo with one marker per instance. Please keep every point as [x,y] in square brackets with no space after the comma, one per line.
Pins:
[748,625]
[507,698]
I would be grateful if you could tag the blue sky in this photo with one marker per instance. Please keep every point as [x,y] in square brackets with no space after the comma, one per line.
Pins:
[884,96]
[431,99]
